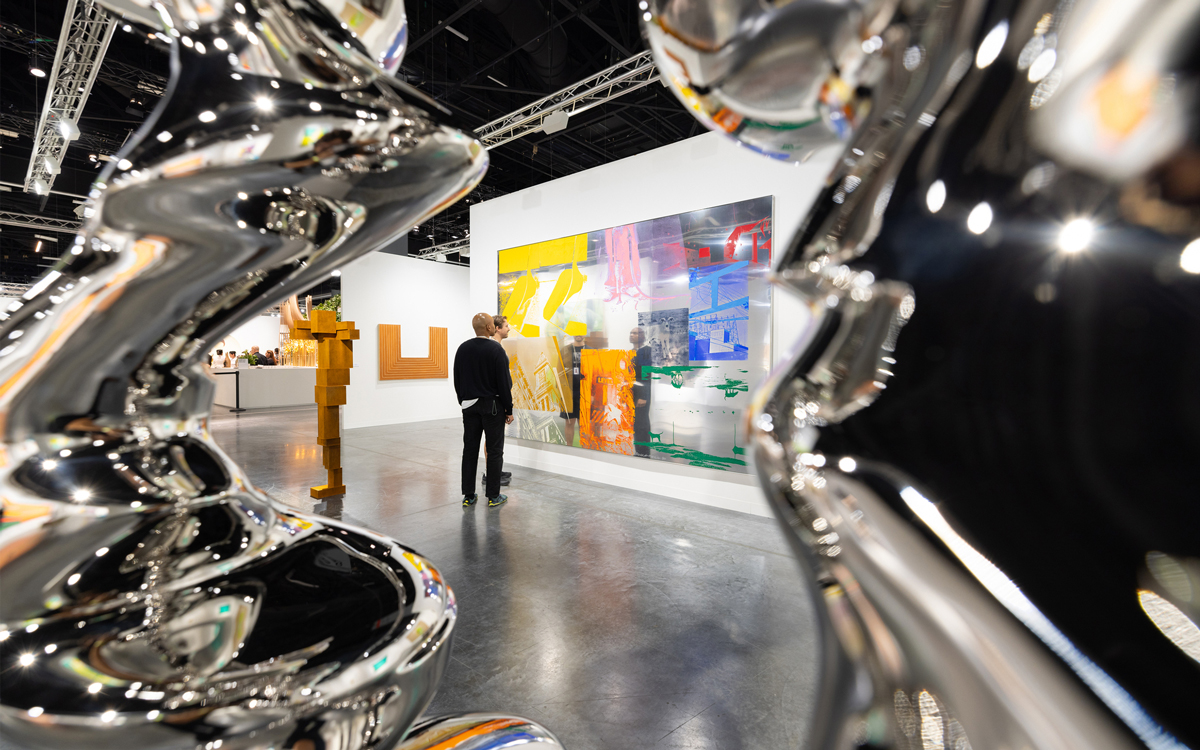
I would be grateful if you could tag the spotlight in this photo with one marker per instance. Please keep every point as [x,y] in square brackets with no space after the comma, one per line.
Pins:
[935,198]
[264,103]
[40,186]
[1076,235]
[35,67]
[69,128]
[1189,259]
[980,218]
[51,163]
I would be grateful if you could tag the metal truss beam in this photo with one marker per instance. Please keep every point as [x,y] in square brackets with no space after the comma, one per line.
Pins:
[628,75]
[86,31]
[31,221]
[13,289]
[91,141]
[446,248]
[112,72]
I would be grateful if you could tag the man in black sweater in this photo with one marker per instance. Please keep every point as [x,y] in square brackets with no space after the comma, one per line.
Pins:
[484,390]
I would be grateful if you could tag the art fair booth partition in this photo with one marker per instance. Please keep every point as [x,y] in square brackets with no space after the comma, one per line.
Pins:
[425,312]
[642,316]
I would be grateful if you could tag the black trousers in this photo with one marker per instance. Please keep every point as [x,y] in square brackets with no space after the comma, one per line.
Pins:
[479,419]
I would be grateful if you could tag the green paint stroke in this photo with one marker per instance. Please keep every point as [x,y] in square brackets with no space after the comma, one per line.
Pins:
[674,373]
[732,387]
[692,456]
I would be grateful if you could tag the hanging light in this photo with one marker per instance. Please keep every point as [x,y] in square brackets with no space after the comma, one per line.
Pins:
[35,67]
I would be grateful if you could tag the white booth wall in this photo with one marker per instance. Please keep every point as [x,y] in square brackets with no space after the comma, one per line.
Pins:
[416,294]
[262,331]
[708,170]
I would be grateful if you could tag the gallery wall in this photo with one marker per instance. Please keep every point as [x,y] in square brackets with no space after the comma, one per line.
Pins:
[705,171]
[415,294]
[262,331]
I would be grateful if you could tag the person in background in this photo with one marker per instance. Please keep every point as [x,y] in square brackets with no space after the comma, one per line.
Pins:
[278,360]
[641,392]
[255,358]
[572,359]
[231,358]
[502,329]
[268,358]
[216,359]
[484,391]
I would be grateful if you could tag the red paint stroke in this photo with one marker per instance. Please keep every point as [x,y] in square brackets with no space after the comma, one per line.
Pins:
[677,253]
[624,264]
[763,226]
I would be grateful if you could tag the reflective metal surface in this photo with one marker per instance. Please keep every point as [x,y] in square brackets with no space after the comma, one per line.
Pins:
[985,451]
[153,597]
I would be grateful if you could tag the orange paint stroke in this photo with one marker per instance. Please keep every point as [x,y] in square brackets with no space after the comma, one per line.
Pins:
[606,400]
[458,738]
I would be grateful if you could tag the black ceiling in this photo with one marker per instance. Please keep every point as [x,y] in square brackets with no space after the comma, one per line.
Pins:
[514,52]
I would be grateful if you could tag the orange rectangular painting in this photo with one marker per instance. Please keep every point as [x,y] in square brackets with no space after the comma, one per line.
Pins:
[606,400]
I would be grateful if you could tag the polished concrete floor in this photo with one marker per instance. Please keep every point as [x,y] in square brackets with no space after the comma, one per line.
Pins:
[618,619]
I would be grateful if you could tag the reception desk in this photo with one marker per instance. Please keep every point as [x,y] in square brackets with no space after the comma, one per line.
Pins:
[263,387]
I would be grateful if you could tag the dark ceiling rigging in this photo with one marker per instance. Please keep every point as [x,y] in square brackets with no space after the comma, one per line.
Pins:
[482,58]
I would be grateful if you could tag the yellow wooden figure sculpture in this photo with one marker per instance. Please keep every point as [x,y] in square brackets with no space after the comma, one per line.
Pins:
[335,357]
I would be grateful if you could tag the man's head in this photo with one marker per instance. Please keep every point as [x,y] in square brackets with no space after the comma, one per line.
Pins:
[219,352]
[483,324]
[579,341]
[254,350]
[637,336]
[501,324]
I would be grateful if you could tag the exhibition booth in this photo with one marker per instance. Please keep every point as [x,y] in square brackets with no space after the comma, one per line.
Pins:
[641,310]
[642,316]
[261,387]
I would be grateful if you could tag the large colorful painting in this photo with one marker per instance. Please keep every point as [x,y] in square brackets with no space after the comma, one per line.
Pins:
[643,339]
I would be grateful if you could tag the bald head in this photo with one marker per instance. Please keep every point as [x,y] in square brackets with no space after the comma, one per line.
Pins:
[483,324]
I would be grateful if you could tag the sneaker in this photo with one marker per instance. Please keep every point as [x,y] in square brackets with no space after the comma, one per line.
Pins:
[469,500]
[506,475]
[504,481]
[498,500]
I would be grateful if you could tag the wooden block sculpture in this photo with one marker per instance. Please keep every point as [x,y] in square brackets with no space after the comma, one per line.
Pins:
[335,357]
[394,367]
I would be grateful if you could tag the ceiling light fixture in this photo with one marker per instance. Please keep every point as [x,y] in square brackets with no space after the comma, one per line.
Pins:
[35,67]
[68,128]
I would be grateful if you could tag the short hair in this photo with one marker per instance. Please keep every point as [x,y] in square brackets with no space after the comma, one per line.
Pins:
[220,351]
[498,320]
[481,323]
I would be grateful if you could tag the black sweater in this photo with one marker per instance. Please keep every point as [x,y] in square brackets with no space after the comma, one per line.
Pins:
[481,371]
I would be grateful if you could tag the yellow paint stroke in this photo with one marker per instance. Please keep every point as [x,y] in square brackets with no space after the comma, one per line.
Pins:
[575,328]
[530,331]
[550,253]
[523,294]
[570,282]
[606,400]
[537,375]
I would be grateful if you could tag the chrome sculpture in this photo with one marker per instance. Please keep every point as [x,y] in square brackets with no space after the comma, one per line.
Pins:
[985,452]
[152,596]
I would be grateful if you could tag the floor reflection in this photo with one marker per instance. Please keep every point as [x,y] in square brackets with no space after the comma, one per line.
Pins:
[617,618]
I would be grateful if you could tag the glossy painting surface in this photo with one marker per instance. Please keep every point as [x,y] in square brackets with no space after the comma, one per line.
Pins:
[648,334]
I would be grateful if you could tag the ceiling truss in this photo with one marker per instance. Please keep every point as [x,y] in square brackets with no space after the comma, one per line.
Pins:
[86,32]
[628,75]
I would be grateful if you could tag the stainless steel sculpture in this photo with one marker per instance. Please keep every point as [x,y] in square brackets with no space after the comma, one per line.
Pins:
[986,454]
[152,596]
